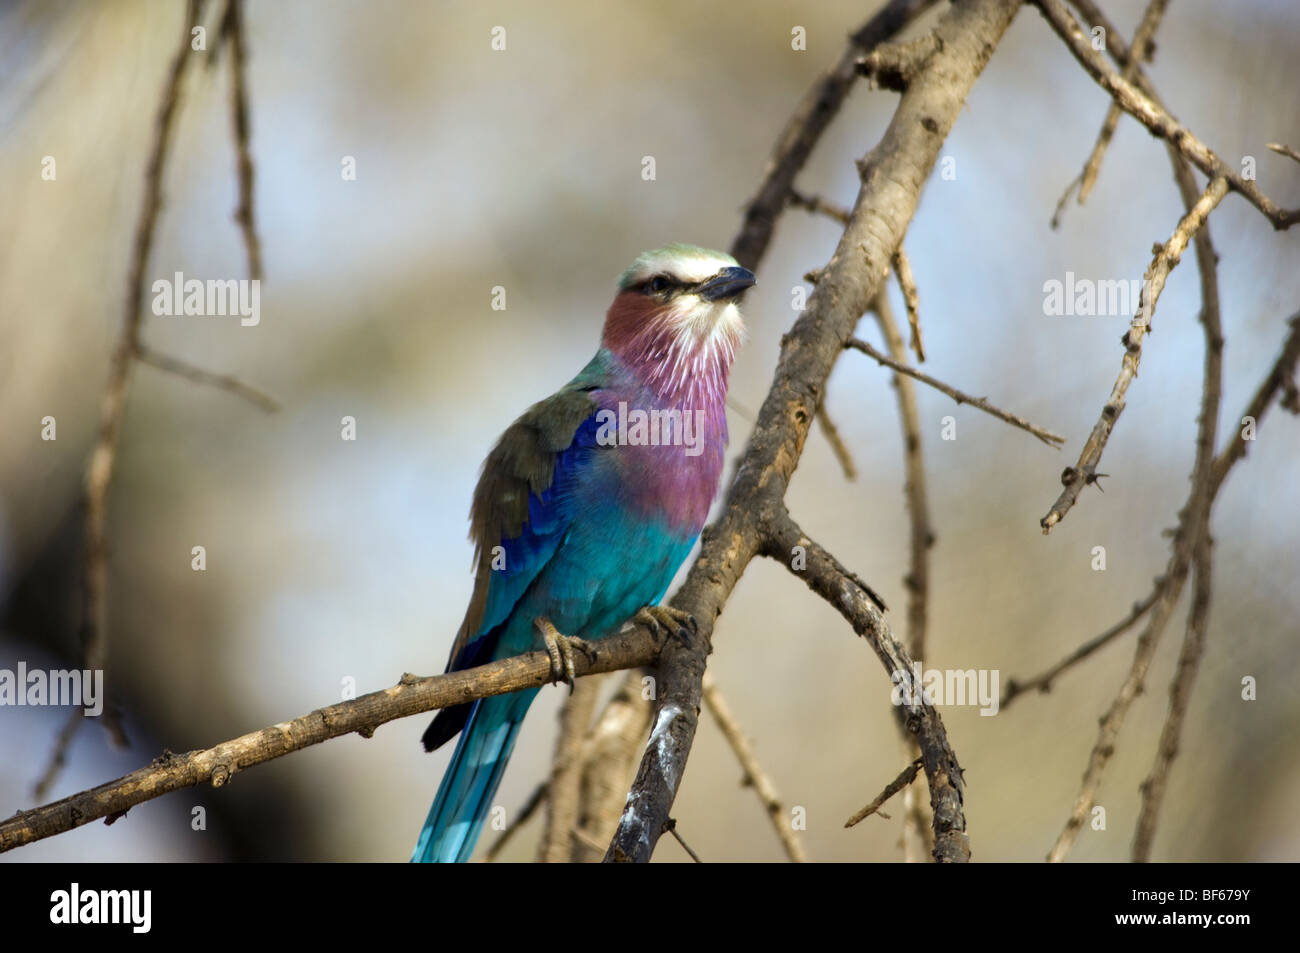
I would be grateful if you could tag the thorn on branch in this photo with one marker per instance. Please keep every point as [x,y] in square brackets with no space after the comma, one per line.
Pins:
[1167,257]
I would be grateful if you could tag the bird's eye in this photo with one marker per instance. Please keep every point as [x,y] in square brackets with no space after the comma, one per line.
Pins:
[659,284]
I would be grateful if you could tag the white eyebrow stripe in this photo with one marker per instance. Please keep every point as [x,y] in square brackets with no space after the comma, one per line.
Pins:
[690,269]
[697,269]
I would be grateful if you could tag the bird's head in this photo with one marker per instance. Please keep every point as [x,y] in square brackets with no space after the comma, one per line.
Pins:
[675,321]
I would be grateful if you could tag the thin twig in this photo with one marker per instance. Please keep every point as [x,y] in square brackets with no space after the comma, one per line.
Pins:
[232,27]
[914,488]
[1280,375]
[671,828]
[1154,117]
[59,756]
[1111,722]
[227,382]
[1180,691]
[1064,201]
[1189,658]
[1287,151]
[1203,558]
[1143,45]
[1193,530]
[1044,680]
[1282,370]
[1046,436]
[1120,51]
[99,471]
[1084,473]
[911,300]
[916,833]
[816,205]
[832,435]
[811,118]
[103,459]
[754,774]
[906,777]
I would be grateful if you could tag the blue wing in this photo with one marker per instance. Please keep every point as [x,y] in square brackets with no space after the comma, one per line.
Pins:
[523,508]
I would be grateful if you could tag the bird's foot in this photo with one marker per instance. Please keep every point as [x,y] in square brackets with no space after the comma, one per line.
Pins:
[560,648]
[665,620]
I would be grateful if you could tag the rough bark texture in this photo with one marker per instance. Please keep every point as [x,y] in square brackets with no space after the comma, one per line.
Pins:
[410,696]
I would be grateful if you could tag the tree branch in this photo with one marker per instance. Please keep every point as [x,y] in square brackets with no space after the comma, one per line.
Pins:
[1205,260]
[564,787]
[1154,117]
[905,778]
[754,776]
[892,176]
[1084,473]
[411,696]
[1194,524]
[227,382]
[824,575]
[1143,44]
[103,459]
[917,844]
[1044,680]
[232,28]
[838,447]
[1046,436]
[816,205]
[610,756]
[1180,693]
[1284,150]
[1279,378]
[911,300]
[812,117]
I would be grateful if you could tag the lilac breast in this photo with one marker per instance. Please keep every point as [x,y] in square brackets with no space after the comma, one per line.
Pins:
[664,455]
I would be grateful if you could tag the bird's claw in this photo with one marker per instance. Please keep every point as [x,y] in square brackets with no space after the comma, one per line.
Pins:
[665,620]
[560,648]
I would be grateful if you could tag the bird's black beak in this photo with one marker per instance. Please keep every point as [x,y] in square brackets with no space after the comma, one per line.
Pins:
[728,283]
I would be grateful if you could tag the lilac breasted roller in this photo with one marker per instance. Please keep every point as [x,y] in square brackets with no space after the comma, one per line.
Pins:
[588,505]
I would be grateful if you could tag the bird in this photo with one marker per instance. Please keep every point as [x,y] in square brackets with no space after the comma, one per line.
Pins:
[587,506]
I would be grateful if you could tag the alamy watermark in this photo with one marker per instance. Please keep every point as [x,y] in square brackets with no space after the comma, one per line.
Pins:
[133,908]
[651,428]
[1088,297]
[944,687]
[81,688]
[215,297]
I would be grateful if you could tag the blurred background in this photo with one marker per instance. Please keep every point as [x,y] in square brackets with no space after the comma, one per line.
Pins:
[330,560]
